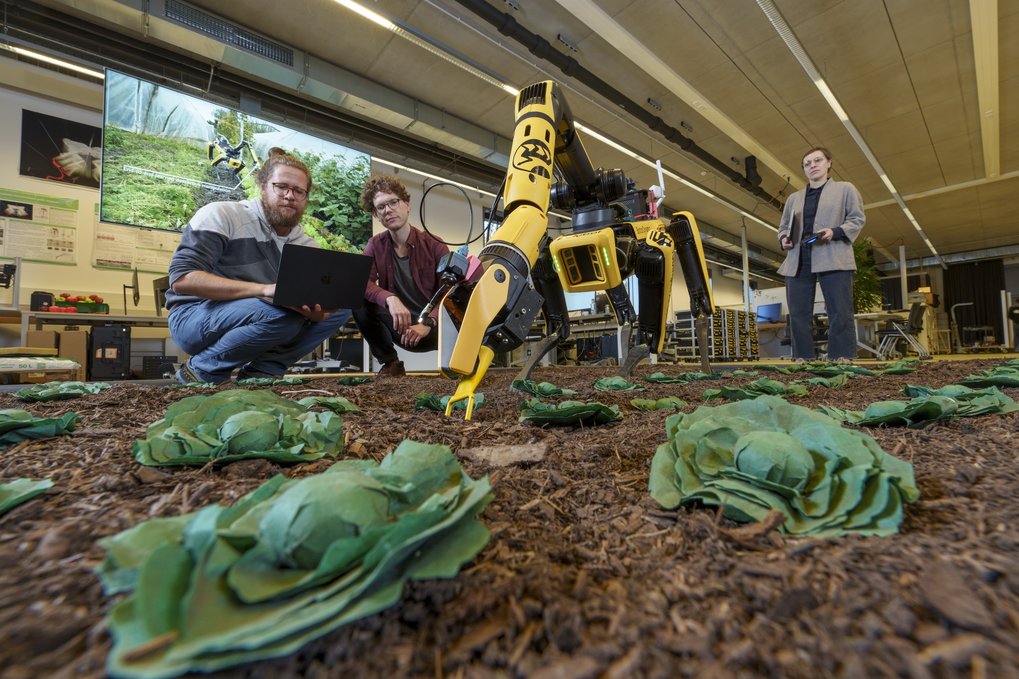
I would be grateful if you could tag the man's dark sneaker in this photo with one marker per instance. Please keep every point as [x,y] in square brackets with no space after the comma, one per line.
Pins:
[185,375]
[392,369]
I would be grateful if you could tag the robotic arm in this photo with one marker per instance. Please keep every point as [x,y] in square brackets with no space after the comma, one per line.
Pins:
[495,313]
[524,271]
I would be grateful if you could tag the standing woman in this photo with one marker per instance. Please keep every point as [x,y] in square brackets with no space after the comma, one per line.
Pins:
[830,213]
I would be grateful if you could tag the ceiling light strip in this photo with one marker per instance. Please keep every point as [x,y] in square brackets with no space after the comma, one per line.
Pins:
[793,43]
[53,61]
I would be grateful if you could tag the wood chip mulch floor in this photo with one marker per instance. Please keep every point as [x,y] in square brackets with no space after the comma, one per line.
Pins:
[585,575]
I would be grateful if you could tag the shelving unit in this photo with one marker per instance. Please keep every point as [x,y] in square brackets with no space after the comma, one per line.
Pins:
[733,337]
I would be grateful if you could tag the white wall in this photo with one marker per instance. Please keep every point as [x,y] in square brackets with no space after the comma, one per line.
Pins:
[726,292]
[26,87]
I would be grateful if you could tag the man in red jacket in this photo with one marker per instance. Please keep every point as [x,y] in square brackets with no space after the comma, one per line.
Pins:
[402,280]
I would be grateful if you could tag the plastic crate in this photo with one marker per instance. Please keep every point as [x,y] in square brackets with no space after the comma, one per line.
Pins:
[91,307]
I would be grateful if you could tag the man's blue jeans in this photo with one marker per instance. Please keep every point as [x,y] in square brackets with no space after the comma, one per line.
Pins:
[837,289]
[246,334]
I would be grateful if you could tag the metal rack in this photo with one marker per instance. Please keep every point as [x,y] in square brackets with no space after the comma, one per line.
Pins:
[733,336]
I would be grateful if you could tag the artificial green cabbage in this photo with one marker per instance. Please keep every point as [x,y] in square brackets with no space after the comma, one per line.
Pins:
[19,425]
[616,383]
[755,389]
[681,378]
[540,388]
[1002,375]
[237,424]
[289,562]
[752,456]
[568,413]
[665,403]
[18,491]
[56,391]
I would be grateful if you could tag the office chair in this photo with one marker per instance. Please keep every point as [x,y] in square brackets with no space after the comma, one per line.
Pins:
[890,337]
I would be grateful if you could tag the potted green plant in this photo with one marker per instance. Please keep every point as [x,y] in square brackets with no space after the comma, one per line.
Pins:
[866,284]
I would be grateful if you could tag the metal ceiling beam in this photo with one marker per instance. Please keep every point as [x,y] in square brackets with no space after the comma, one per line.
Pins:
[955,258]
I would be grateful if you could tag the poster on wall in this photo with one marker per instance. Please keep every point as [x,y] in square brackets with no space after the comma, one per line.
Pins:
[166,154]
[38,227]
[125,247]
[60,150]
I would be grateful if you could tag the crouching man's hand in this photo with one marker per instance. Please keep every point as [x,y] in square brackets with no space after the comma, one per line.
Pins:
[314,314]
[413,335]
[401,314]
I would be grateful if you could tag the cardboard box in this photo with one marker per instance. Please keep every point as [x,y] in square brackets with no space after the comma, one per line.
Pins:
[73,344]
[46,339]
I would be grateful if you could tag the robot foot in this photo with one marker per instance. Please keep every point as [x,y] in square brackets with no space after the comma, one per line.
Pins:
[636,354]
[543,347]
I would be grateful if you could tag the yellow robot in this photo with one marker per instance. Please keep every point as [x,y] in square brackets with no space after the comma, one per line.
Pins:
[222,151]
[524,271]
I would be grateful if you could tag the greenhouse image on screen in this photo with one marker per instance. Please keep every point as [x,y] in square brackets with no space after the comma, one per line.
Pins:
[166,154]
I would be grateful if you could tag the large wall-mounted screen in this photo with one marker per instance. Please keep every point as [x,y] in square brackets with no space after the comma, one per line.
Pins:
[166,154]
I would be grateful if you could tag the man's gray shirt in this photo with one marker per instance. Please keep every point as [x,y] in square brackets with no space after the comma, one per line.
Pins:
[232,240]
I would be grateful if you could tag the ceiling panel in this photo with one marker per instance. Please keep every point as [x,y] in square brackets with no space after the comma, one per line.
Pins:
[888,228]
[734,26]
[903,70]
[924,24]
[903,132]
[960,158]
[881,94]
[914,170]
[839,59]
[937,74]
[998,201]
[1008,39]
[949,119]
[673,36]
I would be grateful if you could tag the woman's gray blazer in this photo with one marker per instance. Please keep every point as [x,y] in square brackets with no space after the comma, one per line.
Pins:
[840,205]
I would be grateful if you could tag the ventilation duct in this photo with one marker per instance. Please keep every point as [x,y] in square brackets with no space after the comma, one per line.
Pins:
[542,49]
[227,32]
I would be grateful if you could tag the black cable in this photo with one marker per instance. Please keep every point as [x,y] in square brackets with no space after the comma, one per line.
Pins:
[470,215]
[495,204]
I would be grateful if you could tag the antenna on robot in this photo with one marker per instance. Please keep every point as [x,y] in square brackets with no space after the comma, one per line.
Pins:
[658,190]
[661,184]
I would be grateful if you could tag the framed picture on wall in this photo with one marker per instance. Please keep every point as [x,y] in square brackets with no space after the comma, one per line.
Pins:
[60,150]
